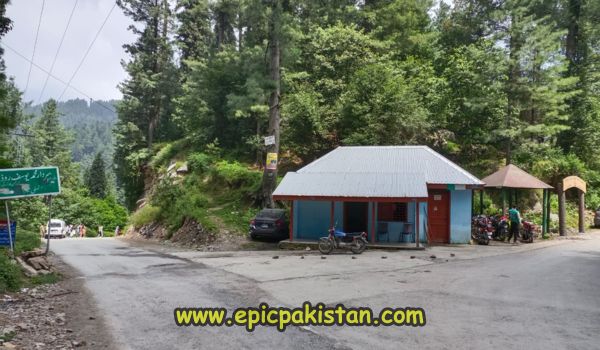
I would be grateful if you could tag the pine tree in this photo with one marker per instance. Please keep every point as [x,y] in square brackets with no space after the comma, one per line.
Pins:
[96,177]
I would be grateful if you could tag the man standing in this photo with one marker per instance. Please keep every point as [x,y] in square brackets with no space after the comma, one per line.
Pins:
[100,231]
[515,222]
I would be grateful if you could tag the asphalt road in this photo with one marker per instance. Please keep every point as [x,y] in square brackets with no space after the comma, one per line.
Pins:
[527,299]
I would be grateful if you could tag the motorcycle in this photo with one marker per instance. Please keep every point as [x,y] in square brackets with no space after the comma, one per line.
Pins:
[355,241]
[529,229]
[482,229]
[500,224]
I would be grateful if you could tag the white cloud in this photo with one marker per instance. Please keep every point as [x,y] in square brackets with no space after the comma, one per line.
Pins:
[101,71]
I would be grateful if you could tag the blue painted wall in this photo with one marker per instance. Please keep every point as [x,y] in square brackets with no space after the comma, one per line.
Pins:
[311,219]
[460,216]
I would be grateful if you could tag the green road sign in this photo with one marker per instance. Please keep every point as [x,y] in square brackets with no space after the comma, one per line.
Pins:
[29,182]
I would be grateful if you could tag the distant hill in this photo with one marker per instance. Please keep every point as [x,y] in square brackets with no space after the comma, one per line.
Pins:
[90,123]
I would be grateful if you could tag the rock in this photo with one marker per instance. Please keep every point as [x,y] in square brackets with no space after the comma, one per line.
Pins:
[9,346]
[384,257]
[307,249]
[77,344]
[353,257]
[22,326]
[69,330]
[432,256]
[323,257]
[275,256]
[412,256]
[452,254]
[91,318]
[302,257]
[28,270]
[30,254]
[39,263]
[183,169]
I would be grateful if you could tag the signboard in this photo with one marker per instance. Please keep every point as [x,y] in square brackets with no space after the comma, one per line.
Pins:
[4,240]
[269,140]
[574,181]
[271,161]
[29,182]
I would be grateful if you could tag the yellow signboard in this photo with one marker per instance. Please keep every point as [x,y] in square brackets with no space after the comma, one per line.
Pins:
[271,161]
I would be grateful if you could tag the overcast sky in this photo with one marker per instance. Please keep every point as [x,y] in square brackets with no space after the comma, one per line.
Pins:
[101,71]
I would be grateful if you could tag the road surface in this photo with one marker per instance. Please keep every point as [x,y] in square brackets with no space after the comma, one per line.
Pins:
[514,298]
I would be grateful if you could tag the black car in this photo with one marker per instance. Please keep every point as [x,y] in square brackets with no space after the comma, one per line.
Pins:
[270,223]
[597,218]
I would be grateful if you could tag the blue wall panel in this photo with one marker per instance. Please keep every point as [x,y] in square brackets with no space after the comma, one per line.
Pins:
[460,216]
[311,219]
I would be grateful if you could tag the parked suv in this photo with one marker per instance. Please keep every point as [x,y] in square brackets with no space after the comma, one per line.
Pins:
[270,223]
[597,218]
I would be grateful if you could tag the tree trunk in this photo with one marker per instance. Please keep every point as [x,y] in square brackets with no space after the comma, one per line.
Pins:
[269,181]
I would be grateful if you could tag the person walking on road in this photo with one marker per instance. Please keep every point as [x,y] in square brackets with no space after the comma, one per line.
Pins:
[83,231]
[515,222]
[100,231]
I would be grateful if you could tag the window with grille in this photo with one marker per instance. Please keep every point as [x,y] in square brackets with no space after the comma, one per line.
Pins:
[392,212]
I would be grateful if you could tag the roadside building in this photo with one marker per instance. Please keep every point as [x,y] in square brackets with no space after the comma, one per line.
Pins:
[394,193]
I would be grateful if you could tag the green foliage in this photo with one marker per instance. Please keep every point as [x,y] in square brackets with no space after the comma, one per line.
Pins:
[96,178]
[10,275]
[199,162]
[166,153]
[26,241]
[50,278]
[146,215]
[235,175]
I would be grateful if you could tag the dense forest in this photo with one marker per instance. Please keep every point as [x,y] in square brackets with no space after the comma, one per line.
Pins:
[483,82]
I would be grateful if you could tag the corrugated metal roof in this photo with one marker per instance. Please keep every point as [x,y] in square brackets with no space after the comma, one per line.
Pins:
[367,185]
[398,160]
[511,176]
[374,172]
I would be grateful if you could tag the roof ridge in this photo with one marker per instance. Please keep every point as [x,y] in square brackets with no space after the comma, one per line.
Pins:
[454,165]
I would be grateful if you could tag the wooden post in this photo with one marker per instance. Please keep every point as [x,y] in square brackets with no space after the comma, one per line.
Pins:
[503,200]
[562,211]
[292,221]
[548,208]
[581,211]
[544,223]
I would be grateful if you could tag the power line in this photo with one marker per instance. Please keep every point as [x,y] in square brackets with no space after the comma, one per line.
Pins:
[88,50]
[37,33]
[58,50]
[55,77]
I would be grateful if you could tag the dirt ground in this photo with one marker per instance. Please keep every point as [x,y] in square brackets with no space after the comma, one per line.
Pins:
[53,316]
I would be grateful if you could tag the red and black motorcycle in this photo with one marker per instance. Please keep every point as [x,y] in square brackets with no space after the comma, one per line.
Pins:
[482,229]
[528,231]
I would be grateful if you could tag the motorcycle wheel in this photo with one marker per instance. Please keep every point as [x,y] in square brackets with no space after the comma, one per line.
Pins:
[359,246]
[325,245]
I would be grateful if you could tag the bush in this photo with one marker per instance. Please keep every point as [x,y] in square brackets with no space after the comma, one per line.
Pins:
[145,215]
[167,152]
[177,202]
[26,241]
[10,275]
[199,162]
[236,175]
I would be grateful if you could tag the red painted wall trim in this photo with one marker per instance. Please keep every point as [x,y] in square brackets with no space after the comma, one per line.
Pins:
[351,199]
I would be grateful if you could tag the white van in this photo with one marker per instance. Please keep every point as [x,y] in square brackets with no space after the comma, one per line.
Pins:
[56,228]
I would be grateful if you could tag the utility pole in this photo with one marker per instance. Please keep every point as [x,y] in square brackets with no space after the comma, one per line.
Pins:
[269,180]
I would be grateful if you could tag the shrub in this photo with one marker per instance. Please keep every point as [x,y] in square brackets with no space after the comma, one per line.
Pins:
[235,174]
[199,162]
[167,152]
[145,215]
[10,275]
[26,241]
